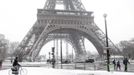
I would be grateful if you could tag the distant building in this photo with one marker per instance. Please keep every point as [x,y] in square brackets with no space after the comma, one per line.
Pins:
[117,57]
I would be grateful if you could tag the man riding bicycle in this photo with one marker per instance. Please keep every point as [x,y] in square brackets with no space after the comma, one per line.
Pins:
[16,66]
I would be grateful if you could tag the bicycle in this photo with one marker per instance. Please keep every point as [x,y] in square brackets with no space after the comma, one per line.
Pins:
[21,71]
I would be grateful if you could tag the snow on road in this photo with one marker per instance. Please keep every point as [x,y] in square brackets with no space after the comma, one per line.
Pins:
[50,71]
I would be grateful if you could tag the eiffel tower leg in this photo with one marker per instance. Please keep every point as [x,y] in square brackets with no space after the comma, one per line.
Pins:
[38,49]
[80,53]
[39,42]
[28,41]
[24,45]
[34,52]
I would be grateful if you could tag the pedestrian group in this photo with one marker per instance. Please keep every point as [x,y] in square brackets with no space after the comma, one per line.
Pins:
[117,65]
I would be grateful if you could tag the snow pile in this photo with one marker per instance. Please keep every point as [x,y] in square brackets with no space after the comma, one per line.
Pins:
[50,71]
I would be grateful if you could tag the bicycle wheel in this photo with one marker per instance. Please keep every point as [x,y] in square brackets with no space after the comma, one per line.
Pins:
[10,72]
[23,71]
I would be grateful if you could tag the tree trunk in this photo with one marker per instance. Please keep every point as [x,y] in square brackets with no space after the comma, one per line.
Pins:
[1,64]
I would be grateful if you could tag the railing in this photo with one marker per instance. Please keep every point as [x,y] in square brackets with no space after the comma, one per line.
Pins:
[64,12]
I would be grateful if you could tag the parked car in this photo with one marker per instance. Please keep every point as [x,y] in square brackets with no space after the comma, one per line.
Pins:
[66,61]
[89,60]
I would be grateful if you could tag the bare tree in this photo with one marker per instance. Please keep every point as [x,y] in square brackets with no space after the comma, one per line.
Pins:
[12,48]
[127,48]
[3,48]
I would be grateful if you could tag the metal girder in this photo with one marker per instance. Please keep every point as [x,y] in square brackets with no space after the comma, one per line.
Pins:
[80,51]
[78,5]
[25,43]
[101,36]
[39,41]
[50,4]
[74,5]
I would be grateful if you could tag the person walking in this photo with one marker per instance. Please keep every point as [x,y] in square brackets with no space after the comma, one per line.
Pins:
[118,65]
[125,62]
[114,63]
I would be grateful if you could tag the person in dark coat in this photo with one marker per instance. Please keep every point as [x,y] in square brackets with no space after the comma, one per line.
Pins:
[15,62]
[125,62]
[118,65]
[114,63]
[16,65]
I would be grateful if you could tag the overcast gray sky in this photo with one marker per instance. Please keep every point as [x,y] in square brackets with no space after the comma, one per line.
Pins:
[18,16]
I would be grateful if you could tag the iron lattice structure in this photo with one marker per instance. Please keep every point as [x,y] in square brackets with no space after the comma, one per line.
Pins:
[72,24]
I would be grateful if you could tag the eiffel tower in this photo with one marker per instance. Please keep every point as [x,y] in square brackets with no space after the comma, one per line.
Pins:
[73,23]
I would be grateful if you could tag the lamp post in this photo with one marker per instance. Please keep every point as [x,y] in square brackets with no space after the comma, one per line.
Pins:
[49,55]
[53,57]
[61,49]
[108,54]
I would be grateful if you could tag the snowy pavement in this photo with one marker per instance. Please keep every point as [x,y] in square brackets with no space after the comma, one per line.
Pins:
[50,71]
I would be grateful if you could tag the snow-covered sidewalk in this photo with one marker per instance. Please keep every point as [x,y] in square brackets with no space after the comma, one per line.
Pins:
[50,71]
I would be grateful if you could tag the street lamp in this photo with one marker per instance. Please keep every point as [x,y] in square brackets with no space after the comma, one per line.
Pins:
[108,55]
[61,49]
[49,55]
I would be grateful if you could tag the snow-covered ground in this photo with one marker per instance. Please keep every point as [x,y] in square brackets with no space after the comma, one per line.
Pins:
[41,68]
[50,71]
